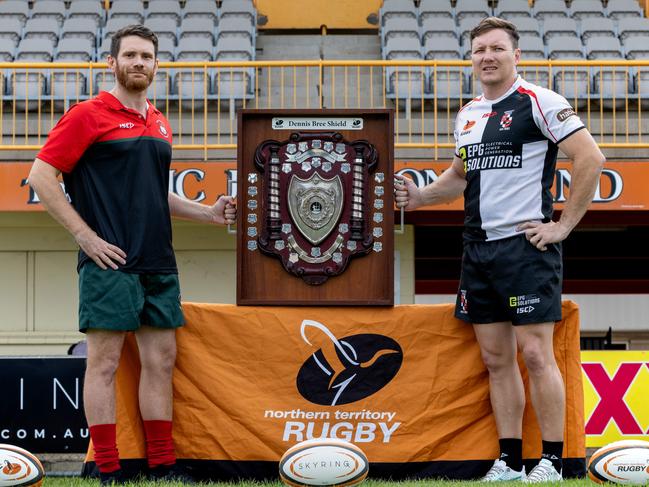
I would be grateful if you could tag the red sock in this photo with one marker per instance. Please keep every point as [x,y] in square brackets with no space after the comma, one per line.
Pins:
[159,444]
[104,440]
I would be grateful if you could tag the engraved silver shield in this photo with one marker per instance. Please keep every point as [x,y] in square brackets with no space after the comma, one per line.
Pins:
[315,205]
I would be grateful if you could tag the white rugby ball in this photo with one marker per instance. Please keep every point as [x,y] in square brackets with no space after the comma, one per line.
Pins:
[18,467]
[621,462]
[325,461]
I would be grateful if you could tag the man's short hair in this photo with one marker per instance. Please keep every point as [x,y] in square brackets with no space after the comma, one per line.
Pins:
[492,23]
[133,30]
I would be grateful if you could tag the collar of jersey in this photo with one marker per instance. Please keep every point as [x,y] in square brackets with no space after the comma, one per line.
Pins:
[511,90]
[112,101]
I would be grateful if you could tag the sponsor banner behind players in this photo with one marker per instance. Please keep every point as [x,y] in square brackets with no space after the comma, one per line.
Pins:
[615,396]
[405,384]
[622,184]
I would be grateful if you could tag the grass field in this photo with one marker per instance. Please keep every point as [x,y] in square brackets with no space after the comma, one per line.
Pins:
[77,482]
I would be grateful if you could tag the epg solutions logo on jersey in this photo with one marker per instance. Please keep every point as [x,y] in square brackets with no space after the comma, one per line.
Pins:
[348,369]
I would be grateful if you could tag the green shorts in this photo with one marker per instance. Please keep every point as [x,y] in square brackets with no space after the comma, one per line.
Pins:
[115,300]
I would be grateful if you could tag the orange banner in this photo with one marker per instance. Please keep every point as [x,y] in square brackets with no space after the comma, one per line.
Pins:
[622,184]
[405,384]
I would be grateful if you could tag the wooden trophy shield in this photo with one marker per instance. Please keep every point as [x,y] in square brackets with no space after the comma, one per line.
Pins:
[315,207]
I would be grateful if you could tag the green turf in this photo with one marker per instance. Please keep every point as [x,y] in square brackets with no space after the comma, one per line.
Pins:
[77,482]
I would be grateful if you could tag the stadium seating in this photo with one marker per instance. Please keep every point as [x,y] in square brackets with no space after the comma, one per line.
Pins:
[403,81]
[550,8]
[166,49]
[435,9]
[49,9]
[11,28]
[200,30]
[164,9]
[129,9]
[573,83]
[513,10]
[196,27]
[7,50]
[87,9]
[400,27]
[559,27]
[75,50]
[14,9]
[586,9]
[238,9]
[597,27]
[632,27]
[164,27]
[637,48]
[113,24]
[439,28]
[608,82]
[528,26]
[475,9]
[200,8]
[397,8]
[618,9]
[36,28]
[237,27]
[85,27]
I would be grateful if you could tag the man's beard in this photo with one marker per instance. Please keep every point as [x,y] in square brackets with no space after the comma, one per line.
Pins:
[130,83]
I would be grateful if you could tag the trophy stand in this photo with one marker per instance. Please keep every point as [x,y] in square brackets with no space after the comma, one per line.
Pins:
[315,208]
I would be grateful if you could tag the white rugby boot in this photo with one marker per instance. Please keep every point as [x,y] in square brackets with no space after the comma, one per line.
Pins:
[500,472]
[543,472]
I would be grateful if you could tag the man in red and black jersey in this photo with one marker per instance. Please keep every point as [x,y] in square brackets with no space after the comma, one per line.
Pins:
[507,141]
[115,152]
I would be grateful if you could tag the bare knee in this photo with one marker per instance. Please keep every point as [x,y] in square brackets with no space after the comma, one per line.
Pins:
[537,360]
[497,362]
[160,360]
[102,368]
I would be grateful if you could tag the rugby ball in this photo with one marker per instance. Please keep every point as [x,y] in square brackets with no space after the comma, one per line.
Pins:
[18,467]
[621,462]
[323,461]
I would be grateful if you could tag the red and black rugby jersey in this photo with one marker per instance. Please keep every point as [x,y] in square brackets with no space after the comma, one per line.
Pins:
[115,166]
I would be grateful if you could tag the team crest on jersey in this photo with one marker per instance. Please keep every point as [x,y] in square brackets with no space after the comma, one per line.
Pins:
[163,129]
[506,120]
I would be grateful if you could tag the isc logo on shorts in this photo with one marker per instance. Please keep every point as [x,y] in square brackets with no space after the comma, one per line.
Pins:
[523,303]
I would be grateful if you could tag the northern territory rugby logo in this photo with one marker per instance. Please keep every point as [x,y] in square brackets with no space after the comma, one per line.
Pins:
[348,369]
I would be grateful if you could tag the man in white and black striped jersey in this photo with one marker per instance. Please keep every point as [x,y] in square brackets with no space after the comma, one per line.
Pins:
[507,141]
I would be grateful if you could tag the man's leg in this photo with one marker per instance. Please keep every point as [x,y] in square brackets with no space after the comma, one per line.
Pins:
[498,348]
[104,351]
[157,348]
[546,387]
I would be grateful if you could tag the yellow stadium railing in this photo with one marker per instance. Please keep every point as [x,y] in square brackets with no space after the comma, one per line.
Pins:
[201,98]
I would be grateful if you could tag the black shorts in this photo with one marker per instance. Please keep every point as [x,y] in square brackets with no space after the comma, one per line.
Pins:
[510,280]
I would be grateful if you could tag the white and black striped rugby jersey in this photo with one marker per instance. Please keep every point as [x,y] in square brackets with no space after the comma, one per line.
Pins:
[509,149]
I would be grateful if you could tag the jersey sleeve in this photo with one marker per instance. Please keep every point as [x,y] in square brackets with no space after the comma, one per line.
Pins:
[70,138]
[556,118]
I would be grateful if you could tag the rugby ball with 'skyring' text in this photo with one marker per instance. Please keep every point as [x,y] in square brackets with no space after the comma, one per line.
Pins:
[621,462]
[18,467]
[325,461]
